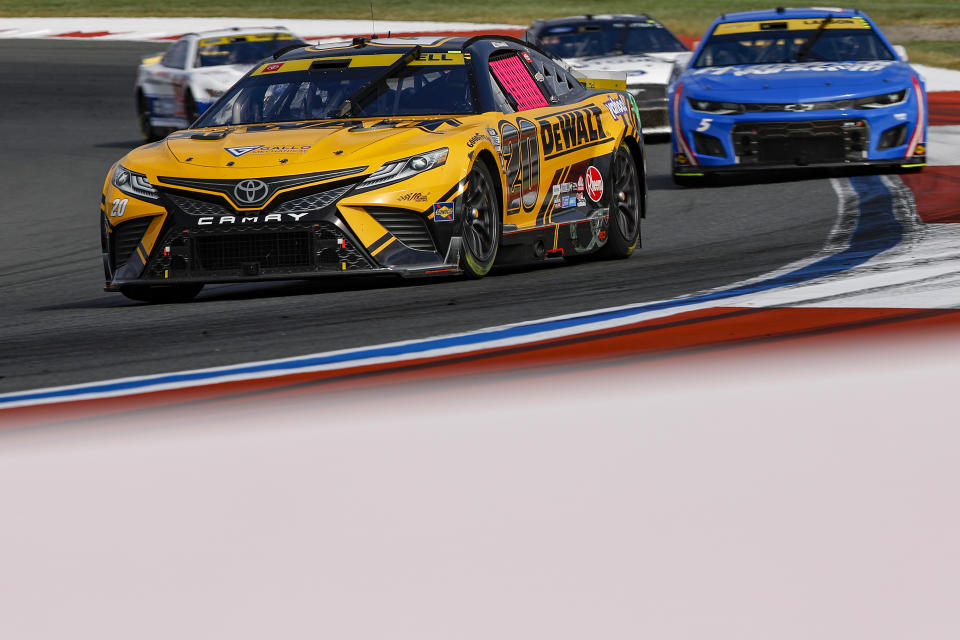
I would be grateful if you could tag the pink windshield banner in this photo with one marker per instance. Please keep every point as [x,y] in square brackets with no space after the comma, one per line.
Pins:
[516,79]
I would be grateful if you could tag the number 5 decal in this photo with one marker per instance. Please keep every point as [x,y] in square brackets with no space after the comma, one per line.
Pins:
[704,124]
[119,206]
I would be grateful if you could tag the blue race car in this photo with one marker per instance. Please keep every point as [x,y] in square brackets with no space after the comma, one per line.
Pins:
[793,88]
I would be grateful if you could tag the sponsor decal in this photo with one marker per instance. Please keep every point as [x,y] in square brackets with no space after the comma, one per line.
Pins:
[443,212]
[900,116]
[283,148]
[442,57]
[526,56]
[580,185]
[802,106]
[556,189]
[791,24]
[571,130]
[414,196]
[498,44]
[272,217]
[792,67]
[920,150]
[538,76]
[475,138]
[494,138]
[581,201]
[594,184]
[262,149]
[272,67]
[680,158]
[250,192]
[617,107]
[236,152]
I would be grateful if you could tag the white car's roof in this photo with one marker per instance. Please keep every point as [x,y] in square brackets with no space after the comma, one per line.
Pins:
[236,31]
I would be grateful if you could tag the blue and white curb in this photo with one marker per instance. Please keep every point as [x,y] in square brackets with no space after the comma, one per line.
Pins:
[868,225]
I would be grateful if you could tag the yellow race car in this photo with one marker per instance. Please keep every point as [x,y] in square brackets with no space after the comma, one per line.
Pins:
[413,156]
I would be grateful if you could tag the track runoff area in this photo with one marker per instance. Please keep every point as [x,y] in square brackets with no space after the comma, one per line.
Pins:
[888,272]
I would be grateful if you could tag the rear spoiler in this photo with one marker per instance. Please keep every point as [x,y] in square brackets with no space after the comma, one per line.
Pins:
[601,80]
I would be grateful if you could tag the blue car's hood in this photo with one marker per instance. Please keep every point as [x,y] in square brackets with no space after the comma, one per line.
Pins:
[796,81]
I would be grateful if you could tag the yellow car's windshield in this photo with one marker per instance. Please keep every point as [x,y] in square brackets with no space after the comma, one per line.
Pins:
[313,94]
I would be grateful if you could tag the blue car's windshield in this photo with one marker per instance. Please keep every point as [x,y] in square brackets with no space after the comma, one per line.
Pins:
[772,47]
[275,95]
[606,38]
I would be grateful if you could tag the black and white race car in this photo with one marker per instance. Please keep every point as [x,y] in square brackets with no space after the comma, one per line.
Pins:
[636,45]
[175,87]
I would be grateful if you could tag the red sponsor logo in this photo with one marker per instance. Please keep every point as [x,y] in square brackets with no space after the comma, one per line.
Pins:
[594,184]
[272,67]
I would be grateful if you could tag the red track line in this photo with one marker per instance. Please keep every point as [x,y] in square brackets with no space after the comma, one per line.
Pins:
[85,34]
[944,107]
[671,337]
[937,193]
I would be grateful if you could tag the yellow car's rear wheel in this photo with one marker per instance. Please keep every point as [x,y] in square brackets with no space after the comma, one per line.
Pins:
[482,223]
[623,229]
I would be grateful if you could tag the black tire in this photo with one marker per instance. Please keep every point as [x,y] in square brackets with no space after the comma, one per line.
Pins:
[901,169]
[623,228]
[694,181]
[190,106]
[162,294]
[482,223]
[149,133]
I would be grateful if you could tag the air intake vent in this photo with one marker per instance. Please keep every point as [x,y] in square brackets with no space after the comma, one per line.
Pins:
[409,228]
[267,249]
[126,236]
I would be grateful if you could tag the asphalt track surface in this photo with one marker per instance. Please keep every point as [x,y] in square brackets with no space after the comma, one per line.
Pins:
[66,114]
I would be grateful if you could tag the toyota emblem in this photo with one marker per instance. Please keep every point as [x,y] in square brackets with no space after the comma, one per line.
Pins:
[251,192]
[803,106]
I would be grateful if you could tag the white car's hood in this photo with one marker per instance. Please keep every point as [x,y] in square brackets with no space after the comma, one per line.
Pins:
[642,68]
[220,77]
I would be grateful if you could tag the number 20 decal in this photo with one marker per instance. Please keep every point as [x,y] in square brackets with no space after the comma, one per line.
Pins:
[521,162]
[119,207]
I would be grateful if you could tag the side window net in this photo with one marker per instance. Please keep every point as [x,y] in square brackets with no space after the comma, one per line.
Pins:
[513,76]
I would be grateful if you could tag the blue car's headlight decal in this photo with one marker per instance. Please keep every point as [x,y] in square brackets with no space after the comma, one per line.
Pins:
[891,99]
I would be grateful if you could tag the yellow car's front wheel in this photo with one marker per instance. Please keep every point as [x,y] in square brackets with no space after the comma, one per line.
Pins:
[482,223]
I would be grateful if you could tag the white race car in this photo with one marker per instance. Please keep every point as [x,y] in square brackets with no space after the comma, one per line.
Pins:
[637,45]
[175,87]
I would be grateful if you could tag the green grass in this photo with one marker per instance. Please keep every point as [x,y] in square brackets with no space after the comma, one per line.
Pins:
[686,17]
[689,17]
[937,53]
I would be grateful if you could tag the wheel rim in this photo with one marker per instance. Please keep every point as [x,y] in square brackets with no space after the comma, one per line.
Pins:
[626,195]
[480,209]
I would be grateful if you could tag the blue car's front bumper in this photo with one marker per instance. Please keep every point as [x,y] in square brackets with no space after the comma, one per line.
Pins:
[715,143]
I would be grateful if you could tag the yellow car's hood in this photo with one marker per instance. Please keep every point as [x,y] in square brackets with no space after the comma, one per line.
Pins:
[366,142]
